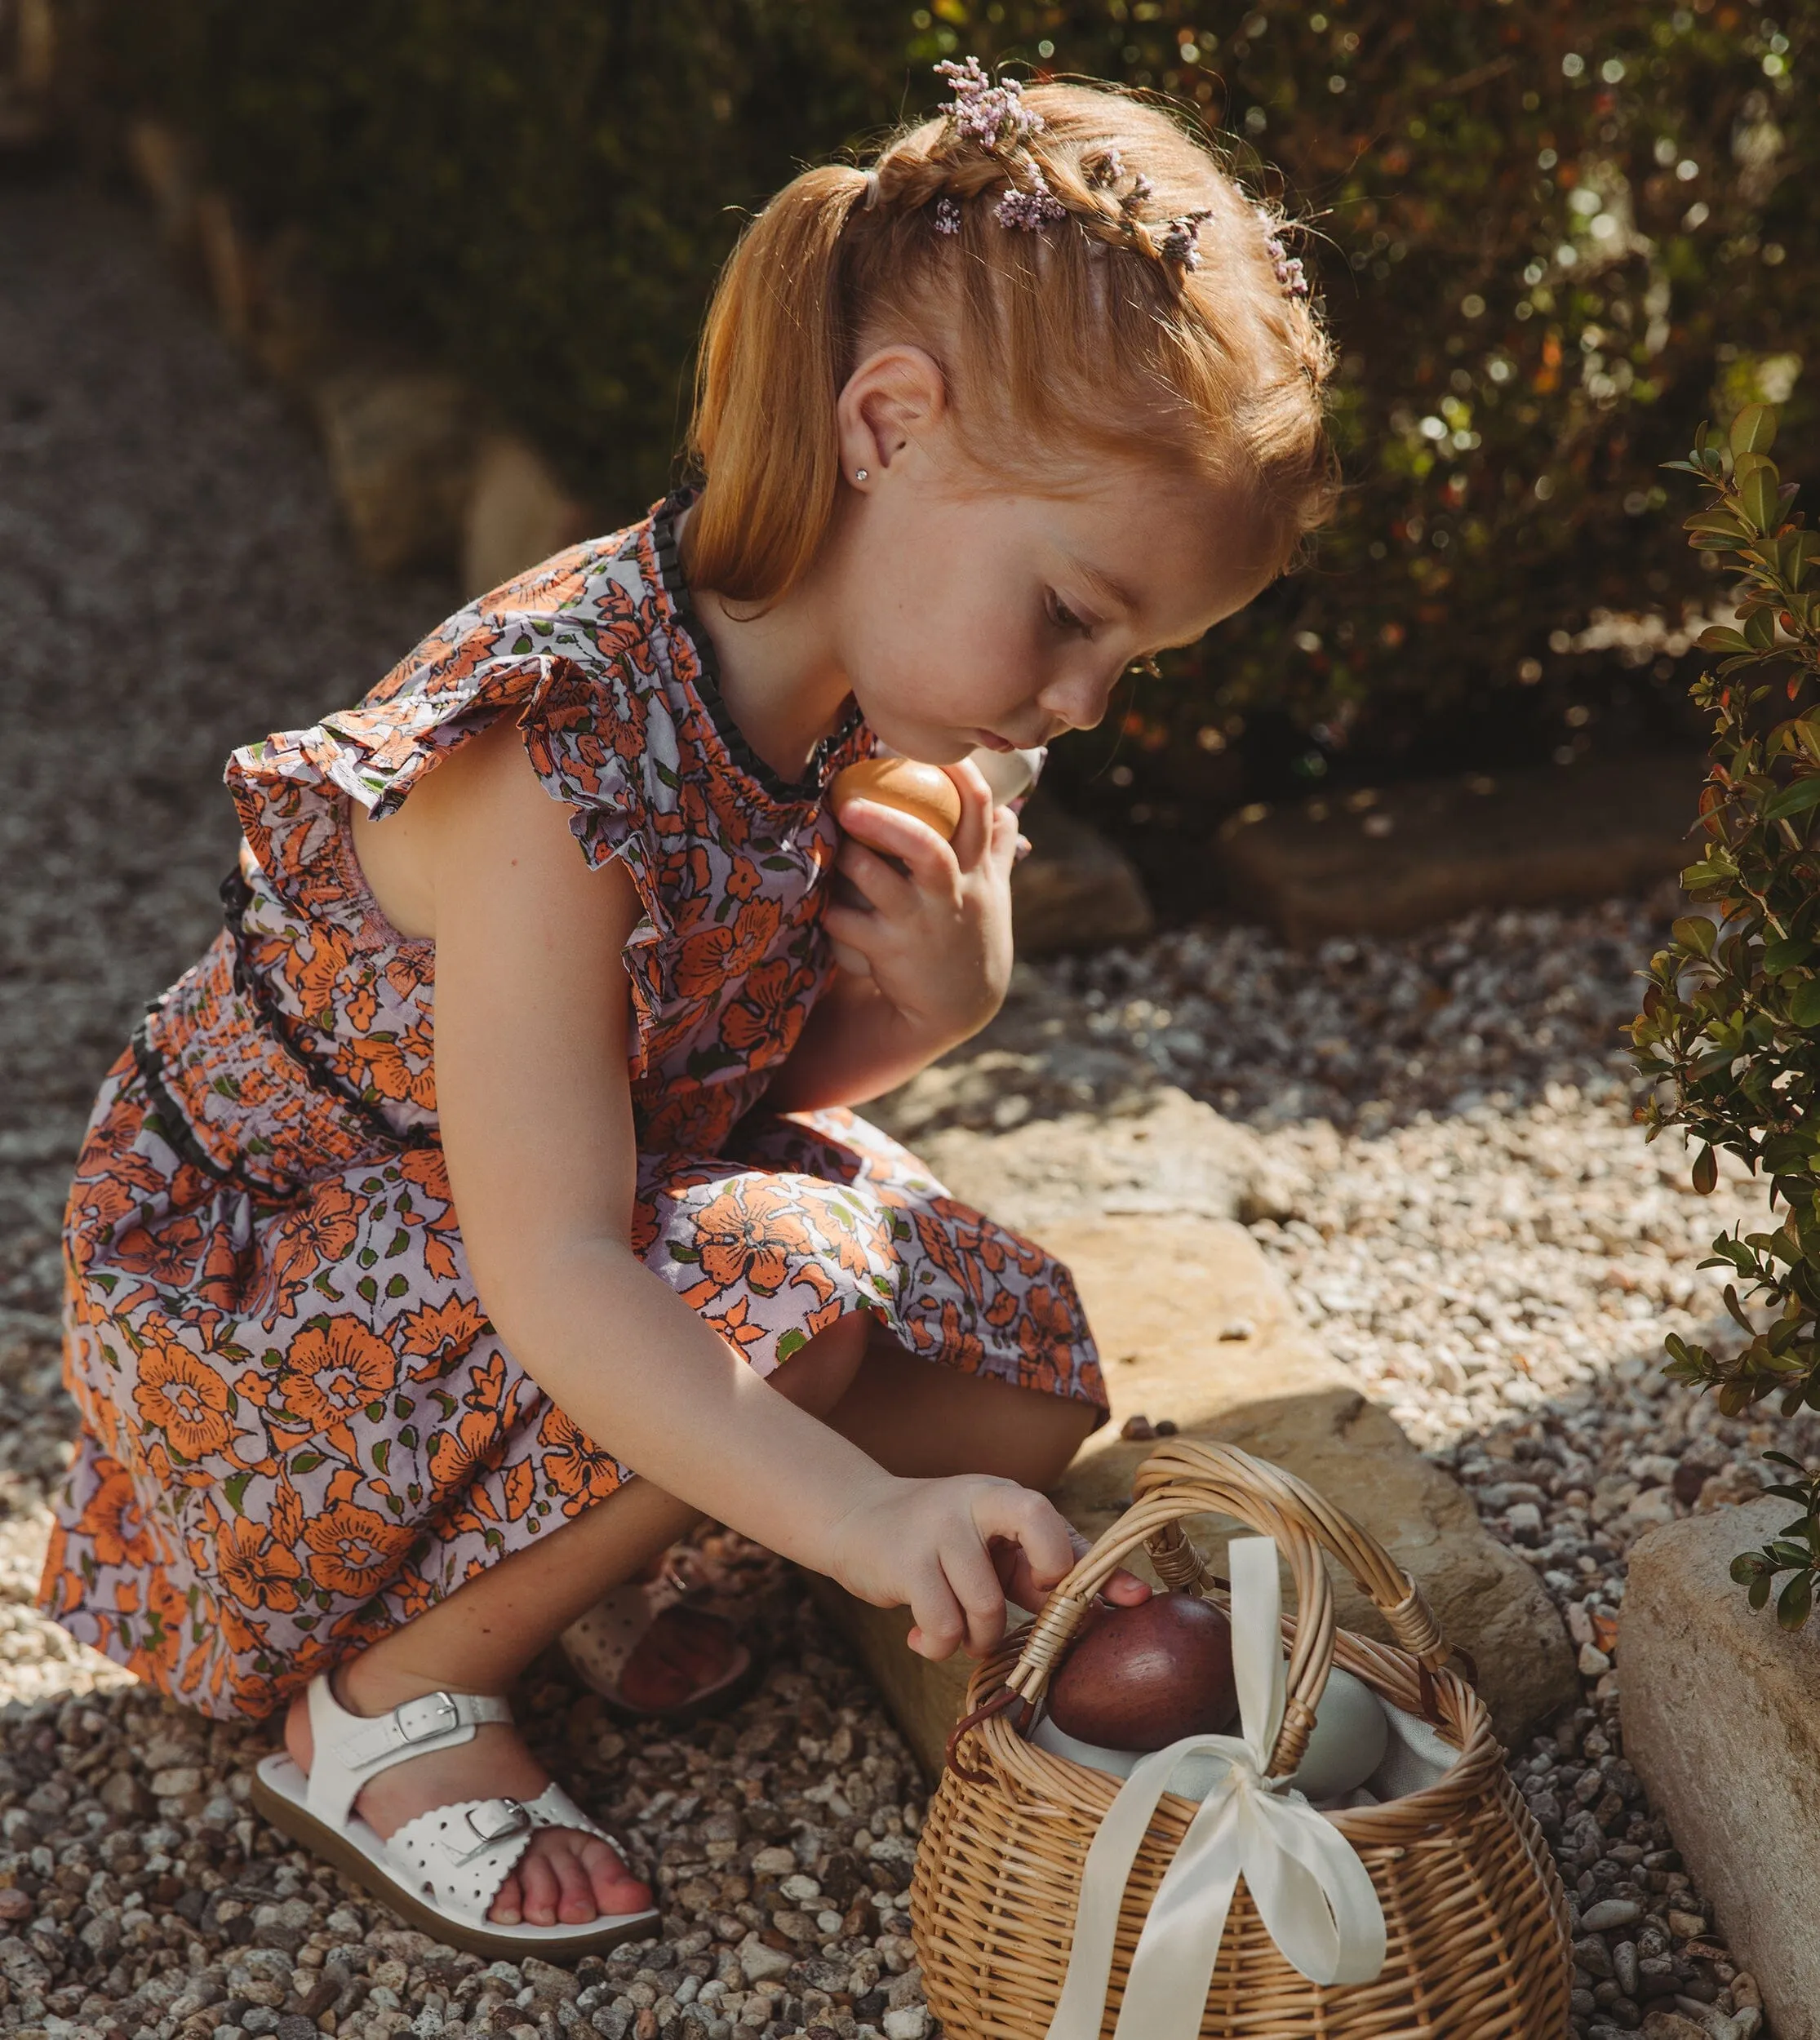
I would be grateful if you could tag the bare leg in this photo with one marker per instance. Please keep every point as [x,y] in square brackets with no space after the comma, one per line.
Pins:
[920,1418]
[481,1637]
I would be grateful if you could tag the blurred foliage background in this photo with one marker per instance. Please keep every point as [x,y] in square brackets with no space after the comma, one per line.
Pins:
[1552,238]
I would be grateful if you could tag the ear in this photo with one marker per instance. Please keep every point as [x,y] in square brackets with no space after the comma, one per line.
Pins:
[891,403]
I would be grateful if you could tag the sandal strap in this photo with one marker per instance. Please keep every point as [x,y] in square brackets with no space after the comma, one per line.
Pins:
[350,1749]
[458,1856]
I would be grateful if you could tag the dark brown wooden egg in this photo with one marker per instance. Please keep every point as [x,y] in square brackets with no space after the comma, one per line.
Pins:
[1142,1678]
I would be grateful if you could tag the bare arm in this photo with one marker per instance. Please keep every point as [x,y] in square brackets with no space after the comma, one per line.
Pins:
[531,1024]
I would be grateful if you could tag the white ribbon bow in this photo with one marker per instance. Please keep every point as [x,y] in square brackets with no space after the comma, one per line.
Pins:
[1315,1896]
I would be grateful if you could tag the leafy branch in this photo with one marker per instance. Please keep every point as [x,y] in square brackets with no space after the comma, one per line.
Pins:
[1729,1033]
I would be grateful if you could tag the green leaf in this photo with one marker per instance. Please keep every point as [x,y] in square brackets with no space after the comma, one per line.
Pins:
[1787,954]
[1695,932]
[1796,1602]
[1719,638]
[1757,498]
[1759,1591]
[234,1487]
[1804,1009]
[1796,798]
[1706,1172]
[1754,430]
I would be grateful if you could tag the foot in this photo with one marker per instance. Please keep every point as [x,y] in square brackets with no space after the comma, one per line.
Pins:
[564,1878]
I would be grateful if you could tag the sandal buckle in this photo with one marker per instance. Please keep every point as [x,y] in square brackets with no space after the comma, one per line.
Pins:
[516,1820]
[413,1725]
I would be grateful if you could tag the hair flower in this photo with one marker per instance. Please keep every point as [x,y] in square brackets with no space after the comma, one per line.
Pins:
[1177,242]
[1030,212]
[1291,278]
[947,216]
[993,115]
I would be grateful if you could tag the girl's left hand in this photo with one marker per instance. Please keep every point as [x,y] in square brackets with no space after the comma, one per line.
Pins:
[939,938]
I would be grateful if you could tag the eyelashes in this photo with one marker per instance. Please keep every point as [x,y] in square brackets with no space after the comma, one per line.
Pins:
[1065,619]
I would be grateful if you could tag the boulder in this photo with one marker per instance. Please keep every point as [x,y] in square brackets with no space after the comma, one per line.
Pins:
[518,513]
[1415,854]
[1171,1155]
[1195,1327]
[401,450]
[1074,890]
[1722,1721]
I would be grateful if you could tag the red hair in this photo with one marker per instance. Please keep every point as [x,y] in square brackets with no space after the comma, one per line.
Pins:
[1084,340]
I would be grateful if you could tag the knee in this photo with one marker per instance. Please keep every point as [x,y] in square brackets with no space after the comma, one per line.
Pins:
[816,1376]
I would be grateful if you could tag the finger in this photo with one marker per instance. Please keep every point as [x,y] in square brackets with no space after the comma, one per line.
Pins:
[893,833]
[973,838]
[1006,838]
[1125,1590]
[854,928]
[888,890]
[1043,1534]
[975,1583]
[938,1624]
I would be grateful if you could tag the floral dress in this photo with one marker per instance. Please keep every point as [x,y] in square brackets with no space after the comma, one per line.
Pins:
[299,1427]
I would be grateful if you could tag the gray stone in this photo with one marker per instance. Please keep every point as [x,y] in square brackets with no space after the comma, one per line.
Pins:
[1721,1715]
[1175,1158]
[1074,890]
[518,513]
[1609,1913]
[400,444]
[1429,850]
[760,1963]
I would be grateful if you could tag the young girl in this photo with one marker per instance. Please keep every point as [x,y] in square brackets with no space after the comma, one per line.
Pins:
[539,934]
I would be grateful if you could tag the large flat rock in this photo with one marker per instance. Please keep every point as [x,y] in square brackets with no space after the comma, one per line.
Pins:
[1429,850]
[1722,1721]
[1196,1328]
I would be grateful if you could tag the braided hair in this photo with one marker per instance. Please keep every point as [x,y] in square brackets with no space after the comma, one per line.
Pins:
[1090,276]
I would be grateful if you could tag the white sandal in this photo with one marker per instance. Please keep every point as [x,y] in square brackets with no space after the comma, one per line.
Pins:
[442,1871]
[600,1645]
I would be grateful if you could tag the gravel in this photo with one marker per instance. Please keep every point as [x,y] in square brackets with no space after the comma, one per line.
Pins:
[1471,1219]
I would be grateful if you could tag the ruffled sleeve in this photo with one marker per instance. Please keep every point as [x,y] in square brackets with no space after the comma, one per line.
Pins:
[569,654]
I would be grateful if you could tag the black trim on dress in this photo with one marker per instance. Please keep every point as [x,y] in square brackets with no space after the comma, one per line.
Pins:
[800,792]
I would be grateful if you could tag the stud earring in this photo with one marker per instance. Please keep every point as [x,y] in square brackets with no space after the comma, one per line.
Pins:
[861,474]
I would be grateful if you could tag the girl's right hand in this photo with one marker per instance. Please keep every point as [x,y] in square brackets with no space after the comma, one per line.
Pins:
[953,1550]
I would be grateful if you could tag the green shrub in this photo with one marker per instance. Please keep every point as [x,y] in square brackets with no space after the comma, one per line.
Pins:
[1550,239]
[1729,1033]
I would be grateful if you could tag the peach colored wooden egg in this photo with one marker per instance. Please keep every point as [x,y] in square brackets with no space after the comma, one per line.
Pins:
[925,791]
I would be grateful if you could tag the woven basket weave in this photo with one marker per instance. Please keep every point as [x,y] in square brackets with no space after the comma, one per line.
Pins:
[1477,1917]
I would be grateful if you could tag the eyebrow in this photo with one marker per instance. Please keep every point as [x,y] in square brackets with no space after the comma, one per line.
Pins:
[1103,586]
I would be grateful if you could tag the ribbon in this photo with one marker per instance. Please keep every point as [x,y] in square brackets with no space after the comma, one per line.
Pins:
[1314,1896]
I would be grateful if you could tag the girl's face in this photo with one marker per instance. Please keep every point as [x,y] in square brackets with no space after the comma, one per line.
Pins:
[965,616]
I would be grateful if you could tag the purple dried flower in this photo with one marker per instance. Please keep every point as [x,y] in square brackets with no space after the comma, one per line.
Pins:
[1178,241]
[1292,278]
[1030,212]
[1105,169]
[995,116]
[1140,190]
[947,216]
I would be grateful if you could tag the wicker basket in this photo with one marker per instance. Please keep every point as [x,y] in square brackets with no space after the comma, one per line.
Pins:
[1477,1917]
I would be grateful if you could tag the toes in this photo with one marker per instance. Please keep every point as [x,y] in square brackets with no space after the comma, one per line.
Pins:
[574,1904]
[616,1889]
[509,1907]
[537,1875]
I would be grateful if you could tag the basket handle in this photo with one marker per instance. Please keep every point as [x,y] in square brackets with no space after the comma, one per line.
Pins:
[1185,1477]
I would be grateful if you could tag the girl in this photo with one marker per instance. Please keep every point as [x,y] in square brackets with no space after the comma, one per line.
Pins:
[1035,395]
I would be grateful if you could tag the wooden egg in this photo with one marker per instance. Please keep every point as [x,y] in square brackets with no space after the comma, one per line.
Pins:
[925,791]
[1141,1678]
[1347,1741]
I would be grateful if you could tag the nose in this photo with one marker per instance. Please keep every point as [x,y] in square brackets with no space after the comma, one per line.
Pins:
[1078,699]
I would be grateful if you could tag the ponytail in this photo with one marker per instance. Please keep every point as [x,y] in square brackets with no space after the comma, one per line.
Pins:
[772,364]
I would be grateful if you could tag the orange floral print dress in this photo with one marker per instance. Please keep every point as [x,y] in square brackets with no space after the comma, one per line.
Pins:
[300,1429]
